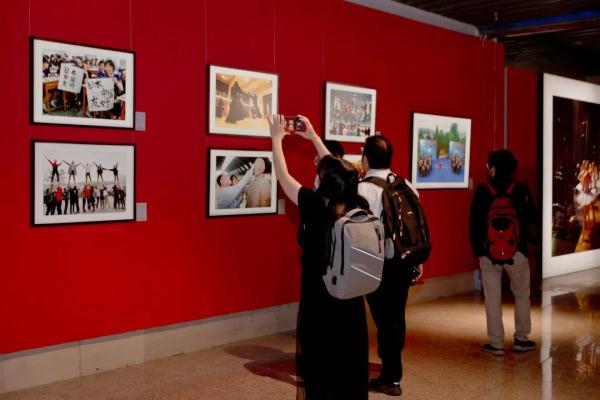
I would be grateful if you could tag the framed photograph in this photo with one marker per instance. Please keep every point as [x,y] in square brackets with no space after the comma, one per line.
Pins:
[241,101]
[76,84]
[241,182]
[571,181]
[349,112]
[82,183]
[440,151]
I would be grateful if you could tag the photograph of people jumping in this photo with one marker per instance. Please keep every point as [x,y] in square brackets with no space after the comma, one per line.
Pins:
[241,183]
[241,101]
[65,189]
[440,151]
[575,178]
[350,113]
[82,85]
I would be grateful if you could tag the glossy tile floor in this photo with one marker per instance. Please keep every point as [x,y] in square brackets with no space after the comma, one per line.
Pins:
[442,358]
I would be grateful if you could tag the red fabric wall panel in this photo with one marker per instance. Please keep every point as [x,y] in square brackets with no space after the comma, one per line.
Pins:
[522,123]
[62,284]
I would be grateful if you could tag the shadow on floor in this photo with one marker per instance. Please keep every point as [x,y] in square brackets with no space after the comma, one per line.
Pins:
[274,363]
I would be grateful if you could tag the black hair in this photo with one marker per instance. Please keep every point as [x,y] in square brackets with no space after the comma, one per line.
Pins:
[219,179]
[378,150]
[339,184]
[505,164]
[109,62]
[334,148]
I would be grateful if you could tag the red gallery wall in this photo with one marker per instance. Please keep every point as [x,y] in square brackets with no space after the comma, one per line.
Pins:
[62,284]
[522,123]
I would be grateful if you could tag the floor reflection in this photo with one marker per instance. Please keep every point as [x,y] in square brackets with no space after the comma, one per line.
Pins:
[570,348]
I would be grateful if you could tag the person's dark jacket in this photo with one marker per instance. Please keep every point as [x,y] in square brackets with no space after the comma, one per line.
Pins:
[480,206]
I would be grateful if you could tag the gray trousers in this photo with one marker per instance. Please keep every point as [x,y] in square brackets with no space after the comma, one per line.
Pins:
[491,279]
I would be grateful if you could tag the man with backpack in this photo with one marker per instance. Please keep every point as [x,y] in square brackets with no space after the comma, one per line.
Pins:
[388,302]
[502,221]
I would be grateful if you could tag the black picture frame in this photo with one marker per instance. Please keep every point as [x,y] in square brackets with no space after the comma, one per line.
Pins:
[45,214]
[212,208]
[40,113]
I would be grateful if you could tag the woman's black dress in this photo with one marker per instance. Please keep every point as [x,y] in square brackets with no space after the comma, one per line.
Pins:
[236,109]
[332,357]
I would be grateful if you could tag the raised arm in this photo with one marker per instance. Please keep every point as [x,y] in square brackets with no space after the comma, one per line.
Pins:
[290,186]
[311,135]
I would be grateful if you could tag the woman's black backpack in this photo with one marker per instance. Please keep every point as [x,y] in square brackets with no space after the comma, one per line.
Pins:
[404,220]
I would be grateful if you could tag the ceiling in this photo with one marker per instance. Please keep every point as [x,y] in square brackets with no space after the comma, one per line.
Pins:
[555,36]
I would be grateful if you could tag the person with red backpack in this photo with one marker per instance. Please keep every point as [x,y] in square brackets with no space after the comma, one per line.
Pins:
[502,221]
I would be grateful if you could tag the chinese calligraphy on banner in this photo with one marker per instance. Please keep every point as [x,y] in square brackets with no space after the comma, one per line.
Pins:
[71,78]
[100,94]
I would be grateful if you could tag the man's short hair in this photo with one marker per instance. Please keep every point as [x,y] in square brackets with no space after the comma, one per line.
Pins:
[504,161]
[335,148]
[378,150]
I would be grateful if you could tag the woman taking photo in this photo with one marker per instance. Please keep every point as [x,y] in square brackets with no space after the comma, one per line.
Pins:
[332,342]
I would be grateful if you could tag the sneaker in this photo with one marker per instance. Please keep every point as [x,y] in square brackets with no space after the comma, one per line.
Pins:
[389,388]
[524,345]
[488,348]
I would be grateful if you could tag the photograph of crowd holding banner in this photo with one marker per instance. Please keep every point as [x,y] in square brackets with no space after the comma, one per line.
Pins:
[240,101]
[349,112]
[441,148]
[576,179]
[241,183]
[81,85]
[77,183]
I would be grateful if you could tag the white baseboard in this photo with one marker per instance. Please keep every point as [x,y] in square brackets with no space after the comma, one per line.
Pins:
[36,367]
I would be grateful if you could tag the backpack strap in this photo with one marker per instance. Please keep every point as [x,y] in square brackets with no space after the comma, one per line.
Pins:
[382,183]
[494,192]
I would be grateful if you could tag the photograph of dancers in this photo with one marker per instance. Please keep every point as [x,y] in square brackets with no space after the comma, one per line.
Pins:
[576,182]
[61,195]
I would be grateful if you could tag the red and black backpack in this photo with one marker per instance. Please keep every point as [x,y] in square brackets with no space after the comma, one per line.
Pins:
[502,228]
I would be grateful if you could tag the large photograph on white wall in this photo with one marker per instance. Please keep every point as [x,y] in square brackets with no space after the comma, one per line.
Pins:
[571,206]
[241,182]
[82,183]
[82,85]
